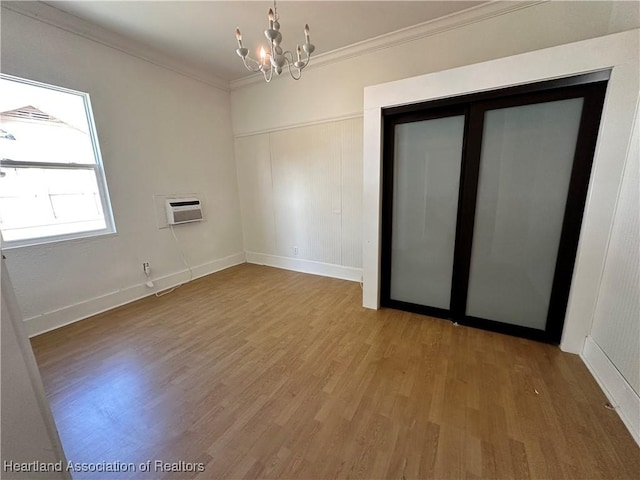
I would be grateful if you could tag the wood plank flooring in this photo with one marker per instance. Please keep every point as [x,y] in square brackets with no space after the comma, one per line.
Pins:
[264,373]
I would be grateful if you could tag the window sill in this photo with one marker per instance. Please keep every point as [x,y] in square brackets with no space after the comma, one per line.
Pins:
[75,237]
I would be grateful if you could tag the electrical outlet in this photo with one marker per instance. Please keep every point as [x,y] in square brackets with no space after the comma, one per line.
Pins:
[295,250]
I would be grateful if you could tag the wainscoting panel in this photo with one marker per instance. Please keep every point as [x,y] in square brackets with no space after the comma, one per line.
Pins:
[352,192]
[255,187]
[616,324]
[306,192]
[301,193]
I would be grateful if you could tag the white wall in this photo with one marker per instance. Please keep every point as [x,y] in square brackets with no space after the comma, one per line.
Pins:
[301,197]
[28,431]
[160,133]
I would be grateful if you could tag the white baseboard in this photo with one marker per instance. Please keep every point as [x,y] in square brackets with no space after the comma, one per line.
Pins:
[306,266]
[79,311]
[616,388]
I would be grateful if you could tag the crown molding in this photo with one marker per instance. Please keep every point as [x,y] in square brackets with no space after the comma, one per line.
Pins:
[408,34]
[70,23]
[45,13]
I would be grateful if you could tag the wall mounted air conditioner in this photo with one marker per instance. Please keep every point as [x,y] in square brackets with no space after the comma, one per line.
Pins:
[183,210]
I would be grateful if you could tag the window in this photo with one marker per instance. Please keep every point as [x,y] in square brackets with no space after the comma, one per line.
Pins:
[52,183]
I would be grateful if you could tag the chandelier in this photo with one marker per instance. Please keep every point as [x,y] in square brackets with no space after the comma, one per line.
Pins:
[276,58]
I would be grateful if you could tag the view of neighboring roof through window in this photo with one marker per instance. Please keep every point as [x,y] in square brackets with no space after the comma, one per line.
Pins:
[52,184]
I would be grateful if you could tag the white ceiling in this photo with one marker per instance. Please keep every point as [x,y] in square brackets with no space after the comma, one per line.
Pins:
[202,33]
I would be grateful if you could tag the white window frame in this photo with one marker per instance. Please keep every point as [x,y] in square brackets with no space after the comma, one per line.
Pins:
[97,167]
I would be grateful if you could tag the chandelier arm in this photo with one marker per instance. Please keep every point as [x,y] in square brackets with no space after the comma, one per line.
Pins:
[307,62]
[289,60]
[264,73]
[291,72]
[249,67]
[289,63]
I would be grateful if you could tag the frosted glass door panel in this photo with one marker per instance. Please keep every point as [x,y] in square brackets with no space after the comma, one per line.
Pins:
[525,168]
[425,201]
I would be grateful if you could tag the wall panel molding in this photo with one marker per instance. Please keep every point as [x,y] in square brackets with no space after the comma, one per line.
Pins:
[301,196]
[616,322]
[620,394]
[339,118]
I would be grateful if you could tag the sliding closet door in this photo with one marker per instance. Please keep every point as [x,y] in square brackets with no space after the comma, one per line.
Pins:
[424,185]
[526,161]
[483,198]
[527,175]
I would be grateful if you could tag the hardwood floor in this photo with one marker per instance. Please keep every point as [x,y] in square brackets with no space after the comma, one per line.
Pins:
[264,373]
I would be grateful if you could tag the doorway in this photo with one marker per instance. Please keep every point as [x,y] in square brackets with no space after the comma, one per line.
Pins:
[482,203]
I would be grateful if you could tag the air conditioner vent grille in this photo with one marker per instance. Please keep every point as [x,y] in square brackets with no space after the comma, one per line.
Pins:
[183,210]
